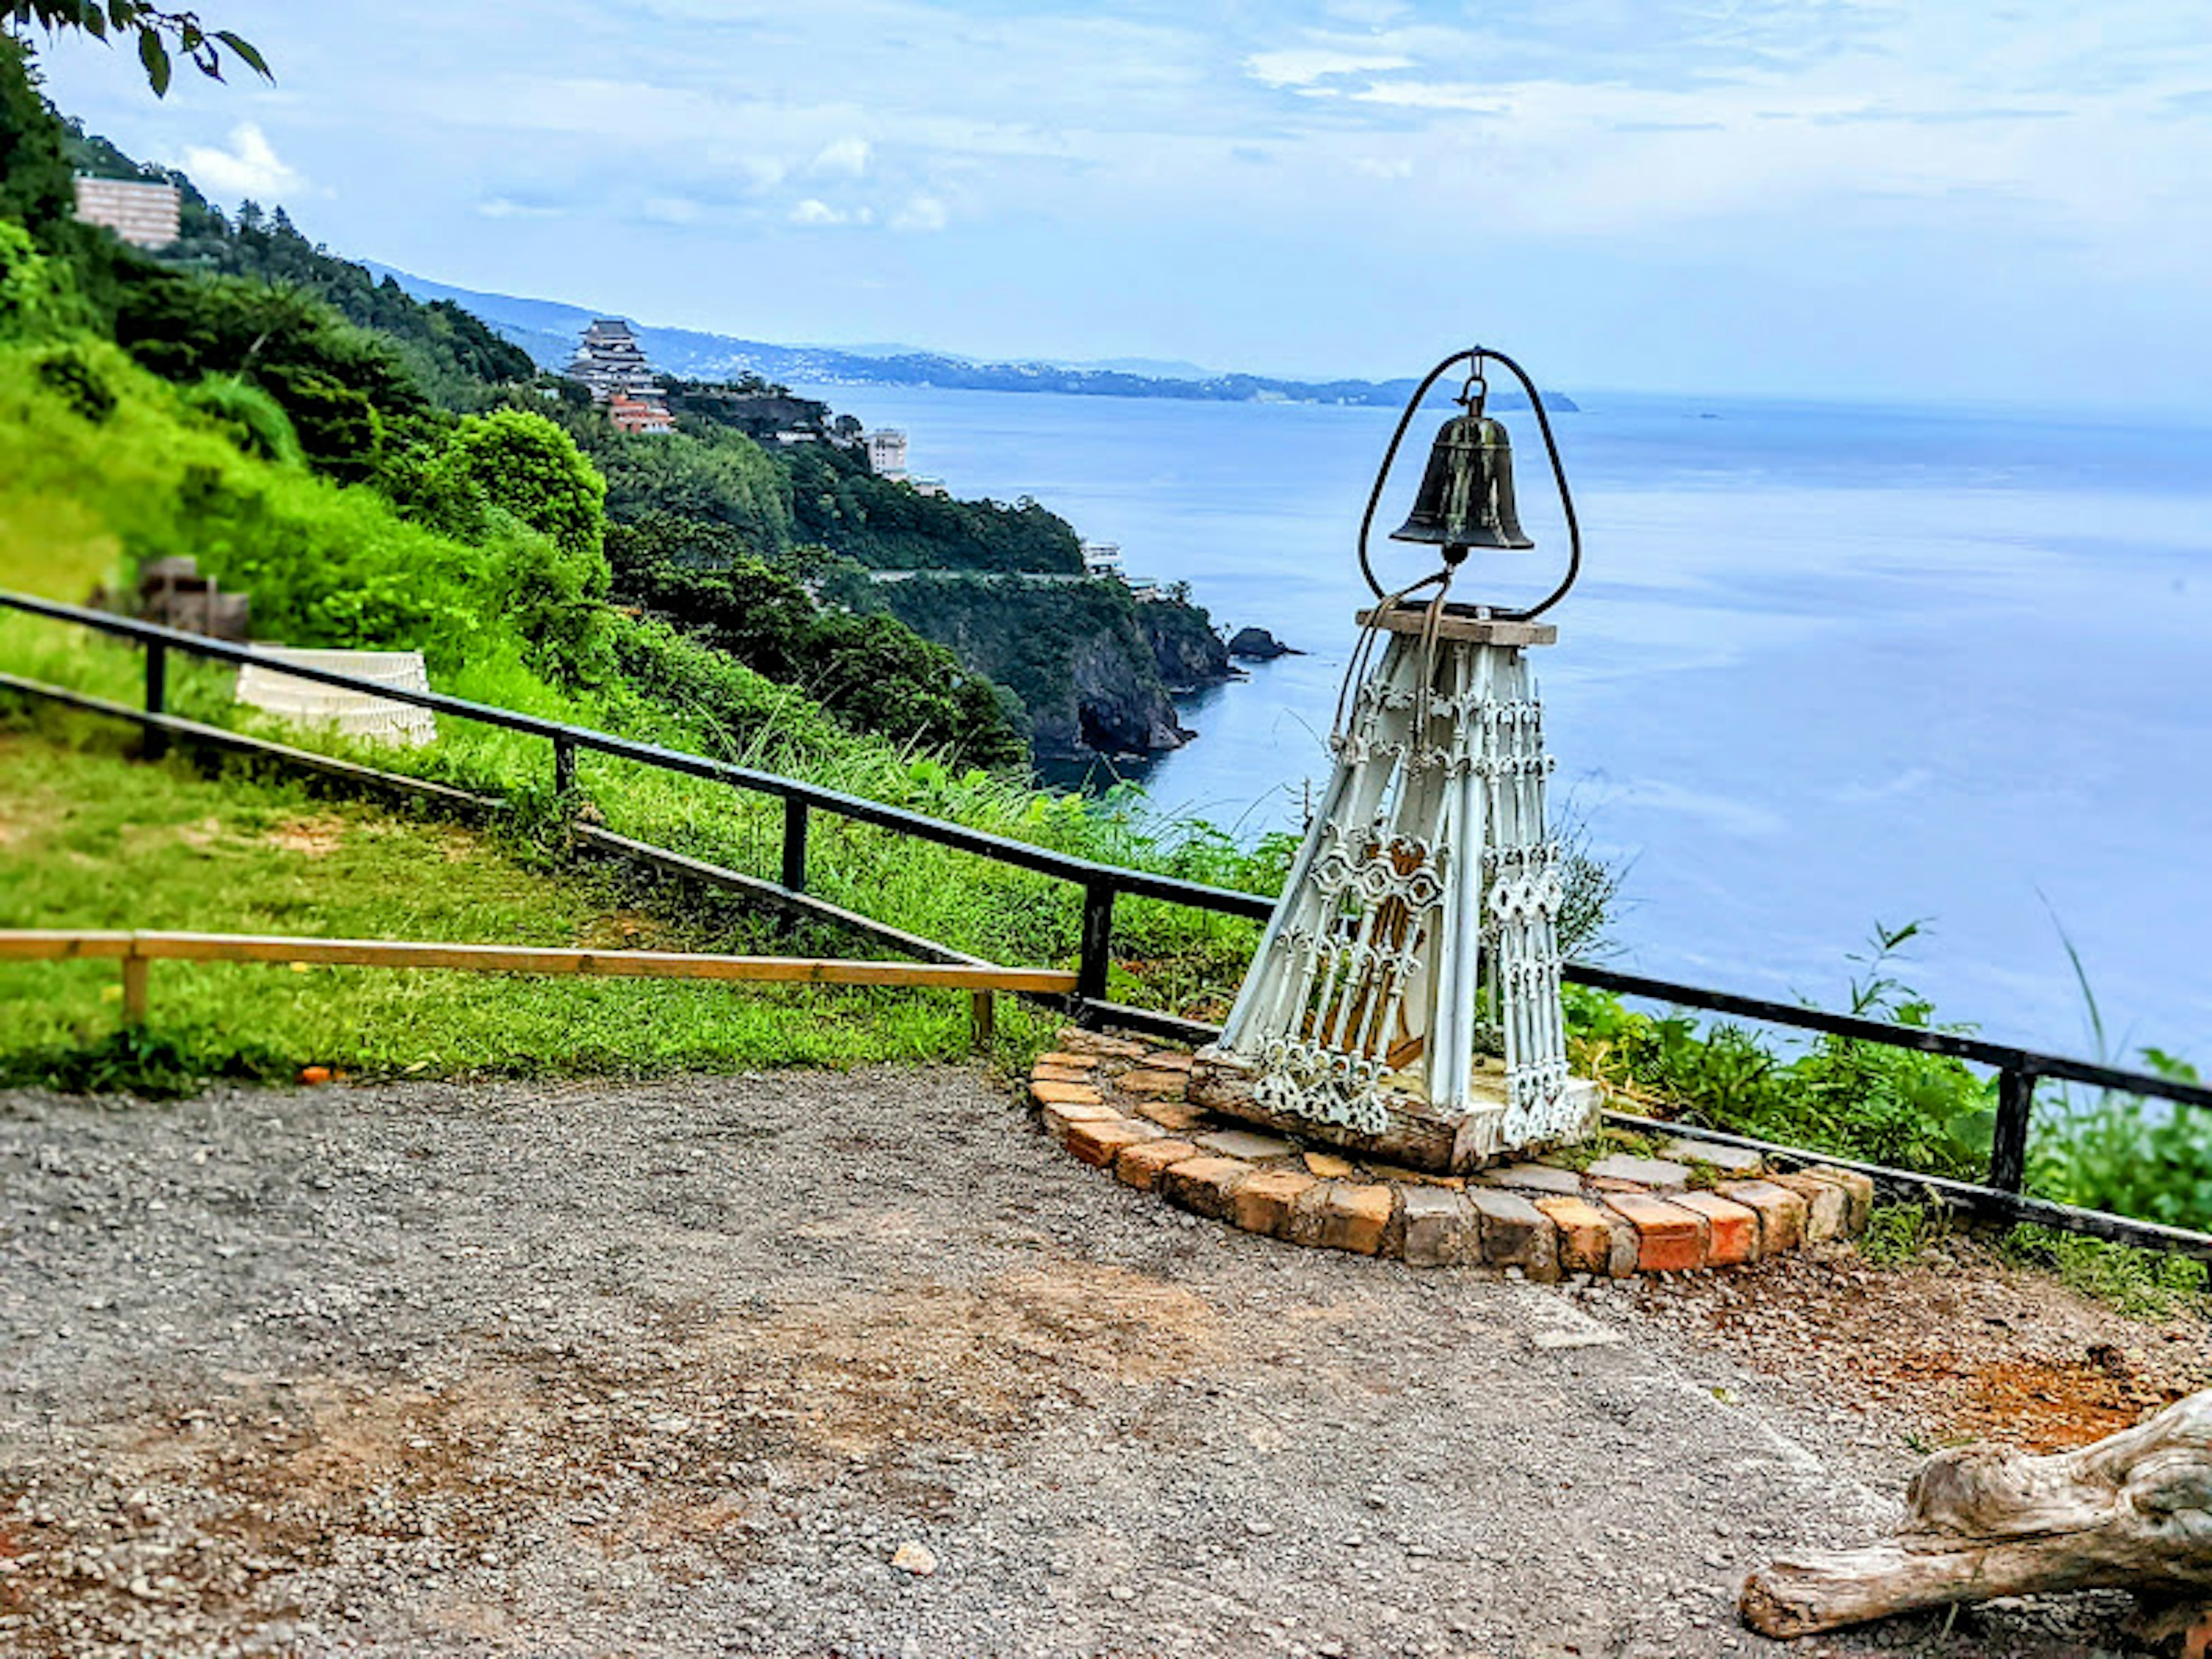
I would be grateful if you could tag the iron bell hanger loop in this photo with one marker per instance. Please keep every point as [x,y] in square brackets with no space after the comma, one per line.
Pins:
[1474,358]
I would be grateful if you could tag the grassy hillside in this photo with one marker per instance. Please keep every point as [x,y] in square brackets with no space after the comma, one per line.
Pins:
[90,839]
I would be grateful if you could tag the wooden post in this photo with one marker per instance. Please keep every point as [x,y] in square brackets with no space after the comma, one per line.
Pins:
[983,1020]
[564,768]
[134,990]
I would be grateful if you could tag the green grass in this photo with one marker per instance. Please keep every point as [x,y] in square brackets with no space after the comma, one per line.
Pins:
[2146,1285]
[90,839]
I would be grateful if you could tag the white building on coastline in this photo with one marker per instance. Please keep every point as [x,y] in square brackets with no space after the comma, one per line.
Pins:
[887,454]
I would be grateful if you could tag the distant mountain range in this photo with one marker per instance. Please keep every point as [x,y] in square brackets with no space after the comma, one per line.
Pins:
[547,330]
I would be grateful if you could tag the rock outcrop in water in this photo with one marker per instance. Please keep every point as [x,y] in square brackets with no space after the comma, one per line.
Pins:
[1258,645]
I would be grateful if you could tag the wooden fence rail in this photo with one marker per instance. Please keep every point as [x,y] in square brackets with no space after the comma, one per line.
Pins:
[137,950]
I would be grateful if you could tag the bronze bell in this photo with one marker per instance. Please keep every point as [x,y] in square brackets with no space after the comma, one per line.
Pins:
[1466,498]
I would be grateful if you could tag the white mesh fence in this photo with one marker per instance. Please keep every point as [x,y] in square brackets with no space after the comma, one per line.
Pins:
[351,713]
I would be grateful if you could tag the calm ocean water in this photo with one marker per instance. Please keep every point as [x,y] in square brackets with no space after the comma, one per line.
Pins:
[1826,665]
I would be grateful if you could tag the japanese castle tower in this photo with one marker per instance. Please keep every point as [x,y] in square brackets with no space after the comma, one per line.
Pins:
[610,361]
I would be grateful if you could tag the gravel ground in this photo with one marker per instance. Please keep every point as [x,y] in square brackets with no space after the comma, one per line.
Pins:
[677,1369]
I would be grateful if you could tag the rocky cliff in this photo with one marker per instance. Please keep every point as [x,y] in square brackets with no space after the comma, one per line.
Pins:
[1186,650]
[1094,669]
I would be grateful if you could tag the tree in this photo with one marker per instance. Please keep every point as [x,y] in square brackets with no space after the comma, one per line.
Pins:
[162,36]
[525,463]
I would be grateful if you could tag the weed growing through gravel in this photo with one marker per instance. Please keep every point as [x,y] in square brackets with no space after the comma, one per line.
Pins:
[2146,1285]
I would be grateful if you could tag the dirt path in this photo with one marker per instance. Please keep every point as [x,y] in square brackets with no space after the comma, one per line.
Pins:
[677,1369]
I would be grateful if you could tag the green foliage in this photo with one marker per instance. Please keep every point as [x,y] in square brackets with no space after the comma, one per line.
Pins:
[342,388]
[1867,1101]
[37,187]
[96,841]
[160,36]
[165,1064]
[2148,1158]
[2114,1152]
[837,501]
[876,673]
[553,599]
[247,415]
[520,461]
[73,375]
[723,479]
[735,714]
[1035,640]
[1899,1234]
[38,295]
[2143,1283]
[457,359]
[2140,1284]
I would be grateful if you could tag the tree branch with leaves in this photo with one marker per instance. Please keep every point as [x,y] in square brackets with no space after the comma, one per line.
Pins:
[162,36]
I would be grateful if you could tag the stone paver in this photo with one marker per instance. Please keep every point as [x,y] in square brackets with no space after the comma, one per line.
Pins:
[1121,1105]
[1654,1174]
[1781,1213]
[1858,1188]
[1244,1144]
[1204,1185]
[1437,1223]
[1827,1207]
[1173,1115]
[1261,1203]
[1041,1072]
[1051,1093]
[1072,1063]
[1731,1228]
[1515,1233]
[1585,1243]
[1534,1178]
[1168,1085]
[1142,1164]
[1341,1215]
[1099,1143]
[1058,1120]
[1668,1238]
[1730,1160]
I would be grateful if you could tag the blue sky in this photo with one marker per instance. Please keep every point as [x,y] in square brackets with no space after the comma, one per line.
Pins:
[1929,200]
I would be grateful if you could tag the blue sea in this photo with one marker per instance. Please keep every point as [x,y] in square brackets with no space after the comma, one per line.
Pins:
[1827,666]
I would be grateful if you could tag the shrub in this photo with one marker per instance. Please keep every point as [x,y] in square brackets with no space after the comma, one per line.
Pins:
[71,373]
[522,462]
[37,296]
[2119,1152]
[248,416]
[343,388]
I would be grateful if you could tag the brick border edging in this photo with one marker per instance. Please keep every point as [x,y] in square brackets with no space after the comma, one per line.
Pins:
[1119,1105]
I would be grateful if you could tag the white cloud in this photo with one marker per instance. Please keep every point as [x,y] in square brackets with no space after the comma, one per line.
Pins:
[505,207]
[671,209]
[819,215]
[249,168]
[921,213]
[847,155]
[1304,66]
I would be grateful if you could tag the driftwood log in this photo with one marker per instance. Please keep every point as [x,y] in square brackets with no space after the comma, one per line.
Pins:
[2132,1511]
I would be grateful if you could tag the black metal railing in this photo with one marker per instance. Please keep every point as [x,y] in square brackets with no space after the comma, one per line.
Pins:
[2018,1070]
